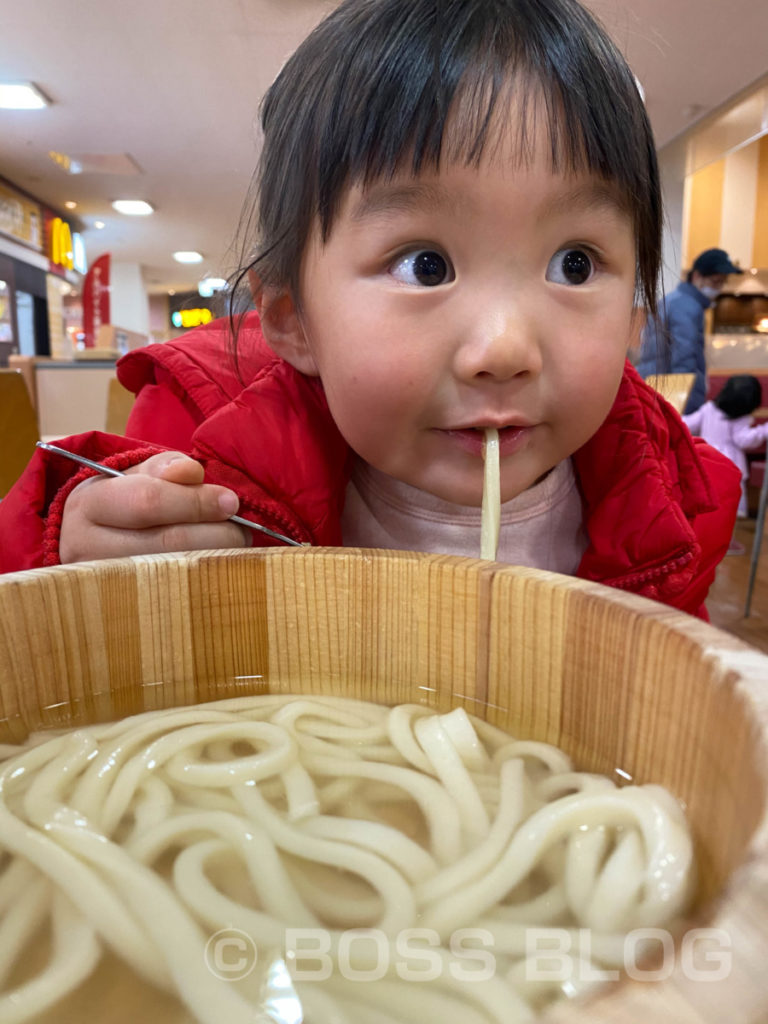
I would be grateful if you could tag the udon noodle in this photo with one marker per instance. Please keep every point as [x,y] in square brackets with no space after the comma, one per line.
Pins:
[491,507]
[330,818]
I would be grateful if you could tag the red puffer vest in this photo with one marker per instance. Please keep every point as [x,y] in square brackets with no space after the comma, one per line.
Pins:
[659,505]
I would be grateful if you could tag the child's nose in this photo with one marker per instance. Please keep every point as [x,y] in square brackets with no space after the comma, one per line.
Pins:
[500,346]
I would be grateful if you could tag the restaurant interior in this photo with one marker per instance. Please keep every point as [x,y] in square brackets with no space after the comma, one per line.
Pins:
[282,783]
[69,166]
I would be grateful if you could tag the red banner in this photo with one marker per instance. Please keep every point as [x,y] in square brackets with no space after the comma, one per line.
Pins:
[96,299]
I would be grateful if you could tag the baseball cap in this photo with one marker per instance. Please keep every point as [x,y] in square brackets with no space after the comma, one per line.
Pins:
[715,261]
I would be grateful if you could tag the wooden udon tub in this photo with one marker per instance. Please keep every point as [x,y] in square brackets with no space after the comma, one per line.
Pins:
[617,681]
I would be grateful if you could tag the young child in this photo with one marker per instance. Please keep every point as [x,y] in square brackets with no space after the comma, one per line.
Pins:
[726,424]
[458,211]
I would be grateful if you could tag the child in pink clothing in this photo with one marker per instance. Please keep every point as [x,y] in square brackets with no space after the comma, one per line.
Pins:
[726,424]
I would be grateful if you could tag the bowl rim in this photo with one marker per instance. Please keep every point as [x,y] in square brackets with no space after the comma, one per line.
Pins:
[740,910]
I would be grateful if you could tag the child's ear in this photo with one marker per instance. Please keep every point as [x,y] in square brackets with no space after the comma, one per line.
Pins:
[282,327]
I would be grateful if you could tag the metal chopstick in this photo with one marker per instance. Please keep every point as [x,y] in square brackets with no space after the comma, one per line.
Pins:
[108,471]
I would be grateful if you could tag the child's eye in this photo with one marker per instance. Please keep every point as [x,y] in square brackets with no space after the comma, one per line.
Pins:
[422,267]
[570,266]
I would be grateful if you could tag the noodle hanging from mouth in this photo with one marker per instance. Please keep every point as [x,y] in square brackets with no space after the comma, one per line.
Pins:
[491,512]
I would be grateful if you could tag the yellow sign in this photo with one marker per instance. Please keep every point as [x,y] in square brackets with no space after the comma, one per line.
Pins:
[61,250]
[191,317]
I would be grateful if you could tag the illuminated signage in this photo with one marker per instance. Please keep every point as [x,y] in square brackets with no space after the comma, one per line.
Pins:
[61,252]
[78,250]
[187,310]
[21,218]
[61,160]
[191,317]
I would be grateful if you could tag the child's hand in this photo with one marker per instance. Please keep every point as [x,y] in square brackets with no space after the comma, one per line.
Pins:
[160,505]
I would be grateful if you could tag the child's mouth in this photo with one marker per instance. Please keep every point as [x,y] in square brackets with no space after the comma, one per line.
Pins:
[472,439]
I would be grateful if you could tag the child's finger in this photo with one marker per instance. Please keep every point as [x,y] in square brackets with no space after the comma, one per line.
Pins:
[106,542]
[140,502]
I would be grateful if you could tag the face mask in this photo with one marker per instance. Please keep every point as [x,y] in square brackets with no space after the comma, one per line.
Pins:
[710,292]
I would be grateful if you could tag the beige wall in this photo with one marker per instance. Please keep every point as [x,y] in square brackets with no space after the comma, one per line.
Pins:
[737,228]
[727,206]
[720,168]
[672,169]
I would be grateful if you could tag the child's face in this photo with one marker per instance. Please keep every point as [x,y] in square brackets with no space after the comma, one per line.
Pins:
[477,297]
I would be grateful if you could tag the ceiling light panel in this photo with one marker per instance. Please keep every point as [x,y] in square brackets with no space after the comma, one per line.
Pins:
[188,257]
[133,207]
[22,96]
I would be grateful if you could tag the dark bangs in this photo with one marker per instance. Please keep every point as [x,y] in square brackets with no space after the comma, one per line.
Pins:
[388,86]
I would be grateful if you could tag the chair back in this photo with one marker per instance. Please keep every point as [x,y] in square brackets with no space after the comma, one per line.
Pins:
[28,367]
[18,428]
[119,404]
[675,387]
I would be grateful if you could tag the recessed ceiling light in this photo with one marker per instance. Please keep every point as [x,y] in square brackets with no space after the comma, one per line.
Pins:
[133,207]
[21,96]
[171,291]
[70,204]
[188,257]
[99,224]
[209,285]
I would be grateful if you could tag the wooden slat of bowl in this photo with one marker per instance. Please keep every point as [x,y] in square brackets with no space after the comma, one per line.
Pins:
[617,681]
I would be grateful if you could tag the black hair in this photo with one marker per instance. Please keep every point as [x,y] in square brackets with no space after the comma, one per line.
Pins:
[384,86]
[739,396]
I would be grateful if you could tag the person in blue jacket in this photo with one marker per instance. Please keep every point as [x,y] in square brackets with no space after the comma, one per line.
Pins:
[673,342]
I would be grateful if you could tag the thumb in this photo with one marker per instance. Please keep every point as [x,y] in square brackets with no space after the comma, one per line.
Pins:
[176,467]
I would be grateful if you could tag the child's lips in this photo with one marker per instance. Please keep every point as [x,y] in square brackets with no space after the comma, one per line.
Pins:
[472,439]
